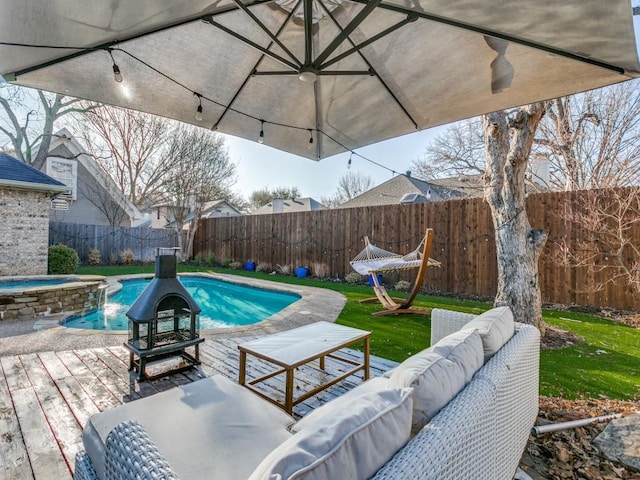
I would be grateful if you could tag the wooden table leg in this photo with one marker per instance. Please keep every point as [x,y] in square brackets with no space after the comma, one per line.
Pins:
[288,392]
[322,362]
[367,348]
[242,370]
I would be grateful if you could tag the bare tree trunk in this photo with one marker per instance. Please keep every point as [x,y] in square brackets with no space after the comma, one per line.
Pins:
[508,144]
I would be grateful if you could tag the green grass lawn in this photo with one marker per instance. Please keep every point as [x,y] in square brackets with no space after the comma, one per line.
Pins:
[605,363]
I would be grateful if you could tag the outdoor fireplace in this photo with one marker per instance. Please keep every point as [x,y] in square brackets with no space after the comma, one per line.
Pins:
[163,323]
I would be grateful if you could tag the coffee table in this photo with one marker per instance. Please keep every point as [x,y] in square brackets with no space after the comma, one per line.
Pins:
[299,346]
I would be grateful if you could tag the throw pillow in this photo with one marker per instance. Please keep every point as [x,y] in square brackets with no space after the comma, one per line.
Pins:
[496,327]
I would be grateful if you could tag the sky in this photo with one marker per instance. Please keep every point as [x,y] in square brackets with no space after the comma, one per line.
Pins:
[261,166]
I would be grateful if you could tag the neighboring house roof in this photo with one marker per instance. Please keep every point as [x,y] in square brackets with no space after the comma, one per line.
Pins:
[211,209]
[402,189]
[305,204]
[64,137]
[469,185]
[17,174]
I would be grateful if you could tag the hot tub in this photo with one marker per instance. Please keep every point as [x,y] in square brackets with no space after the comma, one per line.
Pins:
[34,295]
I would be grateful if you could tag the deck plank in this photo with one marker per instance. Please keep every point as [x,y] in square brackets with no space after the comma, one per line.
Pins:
[13,452]
[61,420]
[56,392]
[45,456]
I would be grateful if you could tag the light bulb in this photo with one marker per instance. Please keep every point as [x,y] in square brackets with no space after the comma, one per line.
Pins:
[349,162]
[261,136]
[310,146]
[116,73]
[199,113]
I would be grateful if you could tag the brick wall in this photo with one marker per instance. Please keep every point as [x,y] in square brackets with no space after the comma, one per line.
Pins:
[24,232]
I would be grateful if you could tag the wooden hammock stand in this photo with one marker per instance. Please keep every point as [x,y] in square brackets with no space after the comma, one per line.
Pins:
[396,306]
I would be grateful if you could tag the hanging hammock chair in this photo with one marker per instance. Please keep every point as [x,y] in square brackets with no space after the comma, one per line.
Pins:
[372,260]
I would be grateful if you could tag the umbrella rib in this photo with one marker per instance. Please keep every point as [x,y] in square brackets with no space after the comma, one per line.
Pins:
[308,32]
[254,45]
[369,41]
[370,6]
[263,27]
[492,33]
[373,70]
[104,46]
[253,70]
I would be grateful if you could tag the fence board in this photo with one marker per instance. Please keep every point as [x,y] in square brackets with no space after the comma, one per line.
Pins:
[110,241]
[464,243]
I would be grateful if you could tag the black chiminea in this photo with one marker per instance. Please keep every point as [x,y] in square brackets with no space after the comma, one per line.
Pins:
[163,322]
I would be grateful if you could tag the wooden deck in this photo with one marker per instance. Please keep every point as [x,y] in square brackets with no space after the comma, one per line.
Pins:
[46,398]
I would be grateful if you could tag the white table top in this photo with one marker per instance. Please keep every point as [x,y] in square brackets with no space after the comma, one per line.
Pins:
[300,345]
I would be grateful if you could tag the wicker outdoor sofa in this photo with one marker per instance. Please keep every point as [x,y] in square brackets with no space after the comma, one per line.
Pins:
[223,431]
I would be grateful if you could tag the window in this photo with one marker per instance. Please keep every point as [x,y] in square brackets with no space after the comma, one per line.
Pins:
[65,171]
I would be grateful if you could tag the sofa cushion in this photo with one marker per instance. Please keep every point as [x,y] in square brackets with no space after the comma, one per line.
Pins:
[496,327]
[341,403]
[435,381]
[351,443]
[464,348]
[226,427]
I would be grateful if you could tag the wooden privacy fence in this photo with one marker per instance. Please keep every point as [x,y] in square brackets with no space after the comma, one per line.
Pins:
[110,241]
[464,242]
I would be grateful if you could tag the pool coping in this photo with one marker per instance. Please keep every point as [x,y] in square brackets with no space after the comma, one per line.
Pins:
[315,304]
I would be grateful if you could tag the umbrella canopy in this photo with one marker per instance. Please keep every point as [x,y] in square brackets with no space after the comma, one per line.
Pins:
[317,77]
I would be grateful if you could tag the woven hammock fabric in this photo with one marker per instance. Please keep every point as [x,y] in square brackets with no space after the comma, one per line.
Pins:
[375,259]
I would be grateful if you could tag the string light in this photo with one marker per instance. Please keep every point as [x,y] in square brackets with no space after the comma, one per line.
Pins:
[310,140]
[199,108]
[116,69]
[261,136]
[349,162]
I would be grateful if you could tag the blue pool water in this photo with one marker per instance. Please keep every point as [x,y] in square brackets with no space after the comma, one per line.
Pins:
[223,304]
[22,284]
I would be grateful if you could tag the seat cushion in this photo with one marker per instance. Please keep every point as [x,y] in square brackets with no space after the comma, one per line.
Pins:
[226,427]
[435,381]
[341,403]
[351,443]
[463,347]
[496,327]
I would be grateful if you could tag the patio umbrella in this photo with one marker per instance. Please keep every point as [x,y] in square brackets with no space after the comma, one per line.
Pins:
[317,77]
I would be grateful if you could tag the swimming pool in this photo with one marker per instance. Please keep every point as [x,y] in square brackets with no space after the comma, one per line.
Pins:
[224,304]
[24,284]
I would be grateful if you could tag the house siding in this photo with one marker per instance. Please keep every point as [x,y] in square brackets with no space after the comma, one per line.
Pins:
[24,232]
[83,210]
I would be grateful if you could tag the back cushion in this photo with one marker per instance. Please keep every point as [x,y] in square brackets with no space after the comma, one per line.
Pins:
[496,327]
[352,443]
[435,381]
[464,348]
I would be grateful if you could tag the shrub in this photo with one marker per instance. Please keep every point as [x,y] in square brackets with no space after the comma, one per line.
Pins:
[197,260]
[263,267]
[320,270]
[284,269]
[94,257]
[403,286]
[126,256]
[62,260]
[236,265]
[211,259]
[226,263]
[353,278]
[113,258]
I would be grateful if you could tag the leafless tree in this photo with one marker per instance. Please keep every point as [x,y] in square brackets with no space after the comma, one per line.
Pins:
[200,171]
[350,185]
[604,222]
[130,147]
[28,118]
[456,152]
[589,140]
[104,201]
[265,195]
[592,140]
[508,142]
